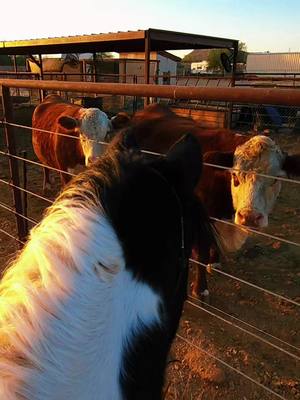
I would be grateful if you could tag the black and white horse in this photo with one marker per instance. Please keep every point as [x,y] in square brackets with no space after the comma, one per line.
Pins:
[91,305]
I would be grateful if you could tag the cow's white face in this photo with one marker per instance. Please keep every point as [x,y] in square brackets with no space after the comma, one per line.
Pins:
[94,126]
[254,196]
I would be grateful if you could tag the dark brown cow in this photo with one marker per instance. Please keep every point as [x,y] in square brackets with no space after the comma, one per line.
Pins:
[86,125]
[246,198]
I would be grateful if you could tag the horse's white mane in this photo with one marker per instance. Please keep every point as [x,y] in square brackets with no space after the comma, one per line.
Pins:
[40,286]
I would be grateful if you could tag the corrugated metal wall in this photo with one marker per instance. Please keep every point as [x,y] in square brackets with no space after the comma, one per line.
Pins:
[273,62]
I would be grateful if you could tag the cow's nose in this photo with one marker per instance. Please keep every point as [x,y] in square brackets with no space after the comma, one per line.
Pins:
[250,218]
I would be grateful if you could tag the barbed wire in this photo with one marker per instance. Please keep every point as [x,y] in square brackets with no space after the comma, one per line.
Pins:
[189,302]
[244,330]
[26,191]
[279,178]
[241,227]
[197,262]
[6,207]
[7,154]
[231,169]
[248,229]
[230,366]
[279,296]
[153,153]
[245,323]
[11,236]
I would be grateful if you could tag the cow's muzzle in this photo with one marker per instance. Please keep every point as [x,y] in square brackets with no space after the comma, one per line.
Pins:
[248,217]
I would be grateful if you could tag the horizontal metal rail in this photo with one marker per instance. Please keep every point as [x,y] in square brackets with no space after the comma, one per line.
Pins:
[275,96]
[19,73]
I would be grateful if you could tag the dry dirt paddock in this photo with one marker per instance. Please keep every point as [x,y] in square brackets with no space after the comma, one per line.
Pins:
[192,374]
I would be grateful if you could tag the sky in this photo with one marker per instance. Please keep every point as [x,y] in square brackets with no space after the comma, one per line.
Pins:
[264,25]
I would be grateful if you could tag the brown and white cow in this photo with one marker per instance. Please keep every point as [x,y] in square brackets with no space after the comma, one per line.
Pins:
[246,199]
[87,125]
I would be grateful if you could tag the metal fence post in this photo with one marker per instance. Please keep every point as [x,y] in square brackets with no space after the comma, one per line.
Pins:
[13,163]
[24,194]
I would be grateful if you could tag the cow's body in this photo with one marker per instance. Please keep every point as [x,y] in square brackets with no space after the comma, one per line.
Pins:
[86,125]
[247,199]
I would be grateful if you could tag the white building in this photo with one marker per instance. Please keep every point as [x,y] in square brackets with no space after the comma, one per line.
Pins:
[199,66]
[162,63]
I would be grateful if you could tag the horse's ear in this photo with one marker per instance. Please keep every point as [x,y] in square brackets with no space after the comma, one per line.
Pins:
[185,157]
[291,165]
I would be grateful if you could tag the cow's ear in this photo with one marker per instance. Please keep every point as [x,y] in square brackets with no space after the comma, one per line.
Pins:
[223,158]
[291,165]
[68,122]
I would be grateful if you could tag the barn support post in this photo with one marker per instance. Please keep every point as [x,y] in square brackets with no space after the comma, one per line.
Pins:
[233,76]
[135,99]
[84,71]
[43,93]
[16,71]
[13,163]
[147,61]
[94,69]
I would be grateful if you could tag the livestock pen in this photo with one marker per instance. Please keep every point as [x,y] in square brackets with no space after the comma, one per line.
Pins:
[245,343]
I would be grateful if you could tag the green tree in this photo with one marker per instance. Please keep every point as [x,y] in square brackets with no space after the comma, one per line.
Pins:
[214,59]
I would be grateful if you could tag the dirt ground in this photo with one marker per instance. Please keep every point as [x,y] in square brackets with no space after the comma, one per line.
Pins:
[191,374]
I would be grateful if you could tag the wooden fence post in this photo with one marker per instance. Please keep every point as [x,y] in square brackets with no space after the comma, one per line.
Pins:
[13,162]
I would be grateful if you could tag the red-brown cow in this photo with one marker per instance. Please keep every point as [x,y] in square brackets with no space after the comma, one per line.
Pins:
[247,198]
[87,125]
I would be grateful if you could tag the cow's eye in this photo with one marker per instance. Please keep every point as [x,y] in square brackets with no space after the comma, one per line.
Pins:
[236,181]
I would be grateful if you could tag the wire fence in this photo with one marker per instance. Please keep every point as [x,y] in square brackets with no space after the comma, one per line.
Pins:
[254,332]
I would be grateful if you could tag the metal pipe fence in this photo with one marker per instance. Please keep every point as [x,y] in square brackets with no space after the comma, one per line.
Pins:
[272,96]
[244,117]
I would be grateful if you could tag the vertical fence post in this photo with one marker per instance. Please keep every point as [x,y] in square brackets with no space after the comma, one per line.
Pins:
[13,163]
[233,77]
[147,45]
[135,99]
[25,203]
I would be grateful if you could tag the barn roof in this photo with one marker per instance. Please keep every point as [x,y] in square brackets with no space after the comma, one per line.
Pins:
[130,41]
[197,55]
[273,63]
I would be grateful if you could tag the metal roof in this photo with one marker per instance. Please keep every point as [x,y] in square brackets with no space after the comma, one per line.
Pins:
[273,62]
[130,41]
